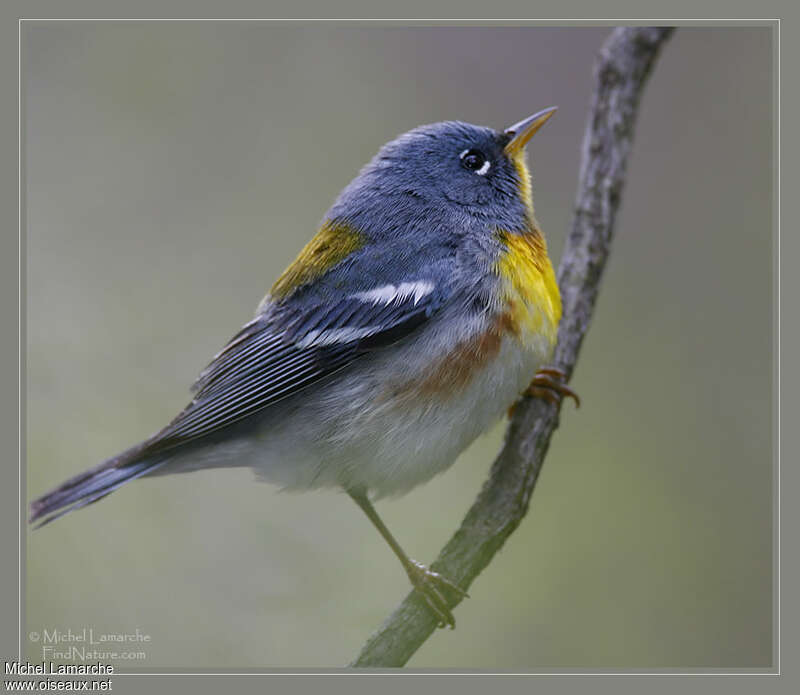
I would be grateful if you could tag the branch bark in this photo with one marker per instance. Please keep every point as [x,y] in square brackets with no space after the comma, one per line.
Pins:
[621,70]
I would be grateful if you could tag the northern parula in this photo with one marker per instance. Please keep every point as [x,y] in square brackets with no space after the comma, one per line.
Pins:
[409,323]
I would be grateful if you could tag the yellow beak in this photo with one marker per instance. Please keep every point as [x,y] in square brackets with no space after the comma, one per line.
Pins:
[523,131]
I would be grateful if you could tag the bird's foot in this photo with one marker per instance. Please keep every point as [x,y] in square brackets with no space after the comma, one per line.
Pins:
[430,585]
[549,383]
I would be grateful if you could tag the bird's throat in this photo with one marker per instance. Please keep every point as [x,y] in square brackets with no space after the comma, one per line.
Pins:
[525,192]
[529,284]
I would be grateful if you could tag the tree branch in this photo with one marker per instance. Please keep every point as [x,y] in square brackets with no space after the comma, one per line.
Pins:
[621,70]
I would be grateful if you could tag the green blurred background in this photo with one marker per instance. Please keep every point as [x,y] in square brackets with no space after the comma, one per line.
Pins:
[173,169]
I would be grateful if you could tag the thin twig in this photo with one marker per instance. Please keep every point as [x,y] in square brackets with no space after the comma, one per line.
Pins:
[621,70]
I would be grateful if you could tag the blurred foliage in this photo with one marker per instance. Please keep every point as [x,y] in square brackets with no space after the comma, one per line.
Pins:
[173,169]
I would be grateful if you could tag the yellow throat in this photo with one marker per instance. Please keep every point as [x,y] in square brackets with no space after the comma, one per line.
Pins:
[530,285]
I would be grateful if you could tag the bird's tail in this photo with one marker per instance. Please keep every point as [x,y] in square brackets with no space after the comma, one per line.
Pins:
[91,485]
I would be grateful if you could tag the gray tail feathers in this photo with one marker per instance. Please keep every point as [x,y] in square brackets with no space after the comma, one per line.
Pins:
[90,486]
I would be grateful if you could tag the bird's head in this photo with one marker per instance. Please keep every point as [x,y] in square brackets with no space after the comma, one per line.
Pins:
[455,167]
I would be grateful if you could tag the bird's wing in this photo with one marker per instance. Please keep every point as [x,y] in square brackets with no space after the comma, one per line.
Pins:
[288,348]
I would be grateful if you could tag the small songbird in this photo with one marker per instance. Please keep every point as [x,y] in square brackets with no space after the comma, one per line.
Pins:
[410,323]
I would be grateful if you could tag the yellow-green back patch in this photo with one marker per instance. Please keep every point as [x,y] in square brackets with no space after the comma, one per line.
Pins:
[334,242]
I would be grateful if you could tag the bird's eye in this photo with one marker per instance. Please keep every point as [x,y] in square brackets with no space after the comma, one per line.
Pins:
[475,160]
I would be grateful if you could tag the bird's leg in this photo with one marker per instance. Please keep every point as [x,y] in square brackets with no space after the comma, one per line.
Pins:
[428,583]
[549,383]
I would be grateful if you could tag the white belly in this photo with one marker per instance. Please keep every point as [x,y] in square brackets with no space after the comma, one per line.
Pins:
[348,433]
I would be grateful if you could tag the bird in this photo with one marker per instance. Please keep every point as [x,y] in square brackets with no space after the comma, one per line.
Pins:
[422,309]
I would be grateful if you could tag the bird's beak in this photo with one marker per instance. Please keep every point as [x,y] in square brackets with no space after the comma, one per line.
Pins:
[523,131]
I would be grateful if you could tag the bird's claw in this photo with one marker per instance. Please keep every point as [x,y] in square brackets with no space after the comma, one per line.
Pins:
[429,584]
[550,383]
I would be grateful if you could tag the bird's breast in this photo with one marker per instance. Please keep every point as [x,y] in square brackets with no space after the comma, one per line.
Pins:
[528,286]
[457,367]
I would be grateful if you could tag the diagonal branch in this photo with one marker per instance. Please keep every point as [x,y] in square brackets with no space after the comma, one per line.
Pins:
[621,71]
